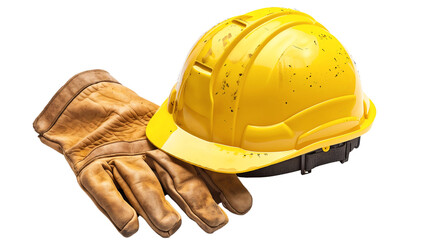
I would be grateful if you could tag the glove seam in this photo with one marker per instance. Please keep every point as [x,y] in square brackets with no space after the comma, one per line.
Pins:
[89,159]
[106,156]
[110,143]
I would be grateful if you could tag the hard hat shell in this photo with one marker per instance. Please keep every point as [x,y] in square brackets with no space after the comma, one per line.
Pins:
[259,89]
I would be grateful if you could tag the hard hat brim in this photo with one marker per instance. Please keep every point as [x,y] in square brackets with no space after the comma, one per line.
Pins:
[163,132]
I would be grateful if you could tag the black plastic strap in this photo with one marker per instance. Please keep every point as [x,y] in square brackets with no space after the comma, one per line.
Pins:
[306,162]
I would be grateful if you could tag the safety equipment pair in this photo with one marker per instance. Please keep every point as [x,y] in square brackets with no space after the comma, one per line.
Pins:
[265,93]
[99,126]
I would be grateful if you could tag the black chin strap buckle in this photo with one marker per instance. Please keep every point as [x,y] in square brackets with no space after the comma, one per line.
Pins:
[336,153]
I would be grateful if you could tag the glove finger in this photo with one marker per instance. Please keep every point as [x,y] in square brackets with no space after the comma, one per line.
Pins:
[232,193]
[96,182]
[144,192]
[188,190]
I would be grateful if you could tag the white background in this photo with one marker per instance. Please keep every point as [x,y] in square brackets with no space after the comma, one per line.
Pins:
[378,194]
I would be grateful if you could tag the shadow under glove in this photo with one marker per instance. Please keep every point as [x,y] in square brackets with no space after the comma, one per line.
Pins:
[99,126]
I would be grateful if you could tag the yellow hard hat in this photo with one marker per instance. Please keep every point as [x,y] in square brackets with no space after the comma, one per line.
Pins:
[260,89]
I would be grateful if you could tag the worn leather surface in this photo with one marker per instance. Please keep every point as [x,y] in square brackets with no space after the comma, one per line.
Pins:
[99,126]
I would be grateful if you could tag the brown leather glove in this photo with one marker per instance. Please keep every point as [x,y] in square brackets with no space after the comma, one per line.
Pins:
[99,126]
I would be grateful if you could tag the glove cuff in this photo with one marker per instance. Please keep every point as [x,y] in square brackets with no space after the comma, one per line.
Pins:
[66,94]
